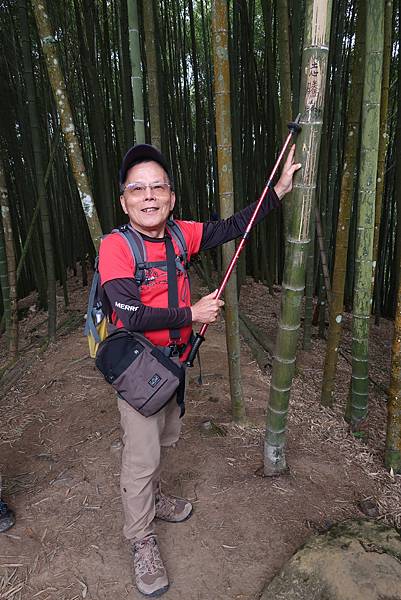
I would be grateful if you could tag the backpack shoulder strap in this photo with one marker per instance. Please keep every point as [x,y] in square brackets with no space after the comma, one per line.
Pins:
[176,233]
[97,308]
[93,308]
[137,247]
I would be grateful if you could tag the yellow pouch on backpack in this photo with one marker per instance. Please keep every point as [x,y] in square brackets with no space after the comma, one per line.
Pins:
[102,332]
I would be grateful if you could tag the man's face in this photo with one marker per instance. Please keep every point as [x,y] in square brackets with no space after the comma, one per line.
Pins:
[148,208]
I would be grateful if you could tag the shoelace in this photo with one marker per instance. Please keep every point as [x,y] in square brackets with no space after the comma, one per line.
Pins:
[147,557]
[165,504]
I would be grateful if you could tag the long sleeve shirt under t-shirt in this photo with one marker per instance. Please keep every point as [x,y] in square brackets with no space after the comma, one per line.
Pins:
[146,310]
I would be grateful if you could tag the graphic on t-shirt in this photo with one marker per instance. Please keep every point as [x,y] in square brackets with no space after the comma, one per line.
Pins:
[157,277]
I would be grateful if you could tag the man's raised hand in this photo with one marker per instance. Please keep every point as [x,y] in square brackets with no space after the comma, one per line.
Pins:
[284,184]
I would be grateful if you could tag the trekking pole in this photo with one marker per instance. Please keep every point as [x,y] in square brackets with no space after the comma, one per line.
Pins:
[294,128]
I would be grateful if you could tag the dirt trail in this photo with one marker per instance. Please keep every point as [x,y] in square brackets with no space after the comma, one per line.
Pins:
[59,452]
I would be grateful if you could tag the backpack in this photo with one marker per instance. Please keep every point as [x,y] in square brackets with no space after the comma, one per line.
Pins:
[99,311]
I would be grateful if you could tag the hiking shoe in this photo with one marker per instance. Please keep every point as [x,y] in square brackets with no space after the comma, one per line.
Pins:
[171,508]
[7,517]
[149,572]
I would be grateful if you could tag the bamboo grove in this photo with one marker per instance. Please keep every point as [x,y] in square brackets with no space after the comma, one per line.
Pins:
[213,83]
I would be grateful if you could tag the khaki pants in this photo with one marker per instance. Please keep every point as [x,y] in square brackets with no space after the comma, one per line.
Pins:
[143,438]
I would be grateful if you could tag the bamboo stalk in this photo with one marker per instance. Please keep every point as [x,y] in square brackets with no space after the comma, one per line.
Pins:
[49,47]
[224,161]
[313,82]
[357,406]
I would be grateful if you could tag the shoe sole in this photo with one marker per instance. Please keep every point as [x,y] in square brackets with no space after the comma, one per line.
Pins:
[156,593]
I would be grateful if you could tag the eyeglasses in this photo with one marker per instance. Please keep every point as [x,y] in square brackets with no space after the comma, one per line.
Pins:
[138,190]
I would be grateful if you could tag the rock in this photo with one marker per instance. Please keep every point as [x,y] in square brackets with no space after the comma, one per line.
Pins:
[355,560]
[211,428]
[369,507]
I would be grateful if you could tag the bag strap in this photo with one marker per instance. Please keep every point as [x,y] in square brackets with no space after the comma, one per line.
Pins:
[172,285]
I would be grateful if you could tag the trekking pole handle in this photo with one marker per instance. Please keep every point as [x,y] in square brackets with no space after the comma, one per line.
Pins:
[294,128]
[199,339]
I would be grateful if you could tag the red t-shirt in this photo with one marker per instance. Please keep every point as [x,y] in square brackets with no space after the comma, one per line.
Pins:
[116,261]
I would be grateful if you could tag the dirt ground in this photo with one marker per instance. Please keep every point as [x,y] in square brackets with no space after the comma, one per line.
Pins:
[60,451]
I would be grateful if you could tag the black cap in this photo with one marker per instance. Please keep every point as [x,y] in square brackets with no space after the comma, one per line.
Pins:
[141,152]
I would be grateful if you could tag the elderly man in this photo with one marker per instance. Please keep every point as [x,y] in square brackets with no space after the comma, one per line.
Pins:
[148,199]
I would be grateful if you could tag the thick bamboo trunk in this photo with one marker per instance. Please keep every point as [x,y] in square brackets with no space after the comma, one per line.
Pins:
[358,399]
[383,140]
[57,83]
[224,161]
[344,213]
[313,82]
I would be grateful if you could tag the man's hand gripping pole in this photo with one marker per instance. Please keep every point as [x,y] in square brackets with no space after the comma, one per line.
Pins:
[294,129]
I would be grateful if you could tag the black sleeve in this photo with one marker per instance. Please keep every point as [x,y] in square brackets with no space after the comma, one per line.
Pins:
[216,233]
[124,298]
